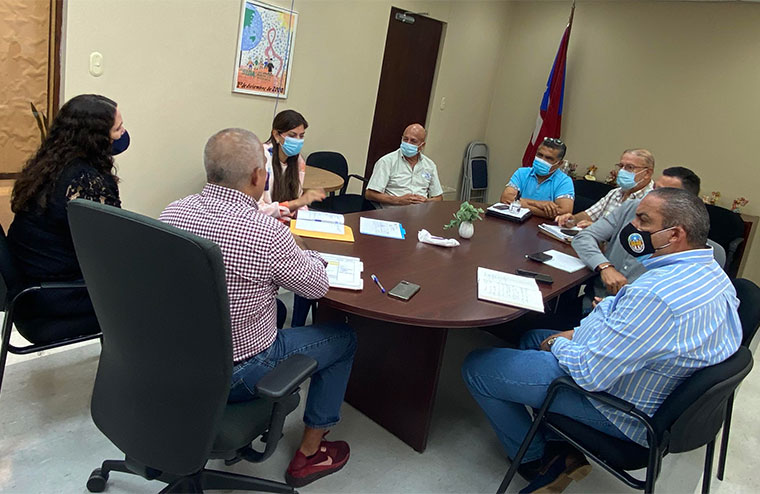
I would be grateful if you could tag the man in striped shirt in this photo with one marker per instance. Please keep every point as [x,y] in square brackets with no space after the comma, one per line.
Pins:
[260,255]
[639,345]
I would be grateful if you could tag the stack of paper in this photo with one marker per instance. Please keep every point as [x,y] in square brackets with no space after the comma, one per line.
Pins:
[554,231]
[508,212]
[317,224]
[509,289]
[344,272]
[381,228]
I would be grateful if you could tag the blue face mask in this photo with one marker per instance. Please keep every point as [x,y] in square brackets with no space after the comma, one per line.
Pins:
[121,144]
[541,167]
[626,180]
[292,146]
[408,149]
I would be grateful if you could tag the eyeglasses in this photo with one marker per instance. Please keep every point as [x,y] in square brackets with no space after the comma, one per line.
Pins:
[553,140]
[629,168]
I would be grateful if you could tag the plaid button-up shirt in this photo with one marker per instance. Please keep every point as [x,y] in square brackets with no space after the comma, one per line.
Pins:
[260,256]
[614,199]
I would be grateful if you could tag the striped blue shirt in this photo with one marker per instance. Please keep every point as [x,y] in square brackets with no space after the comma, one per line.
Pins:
[639,345]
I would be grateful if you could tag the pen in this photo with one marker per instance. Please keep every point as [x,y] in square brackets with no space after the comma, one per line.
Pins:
[377,282]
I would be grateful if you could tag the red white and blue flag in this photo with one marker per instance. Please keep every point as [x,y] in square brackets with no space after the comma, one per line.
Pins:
[549,121]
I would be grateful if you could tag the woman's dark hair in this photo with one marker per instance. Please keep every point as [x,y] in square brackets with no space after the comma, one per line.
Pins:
[286,184]
[82,129]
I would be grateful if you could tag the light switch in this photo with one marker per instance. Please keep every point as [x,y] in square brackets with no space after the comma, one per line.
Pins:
[96,64]
[443,103]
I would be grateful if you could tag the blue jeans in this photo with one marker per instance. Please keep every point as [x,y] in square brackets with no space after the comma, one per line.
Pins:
[331,345]
[504,380]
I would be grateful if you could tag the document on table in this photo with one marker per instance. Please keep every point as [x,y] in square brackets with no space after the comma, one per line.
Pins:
[344,271]
[563,261]
[317,221]
[555,231]
[381,228]
[509,289]
[507,211]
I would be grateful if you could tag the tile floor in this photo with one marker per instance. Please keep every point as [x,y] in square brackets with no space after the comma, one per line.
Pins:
[48,442]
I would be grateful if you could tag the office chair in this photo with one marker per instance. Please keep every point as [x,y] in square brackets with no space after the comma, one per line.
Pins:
[13,291]
[161,388]
[688,419]
[727,229]
[588,192]
[749,314]
[341,203]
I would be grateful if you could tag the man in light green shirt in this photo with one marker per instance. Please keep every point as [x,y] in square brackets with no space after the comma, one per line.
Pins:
[405,176]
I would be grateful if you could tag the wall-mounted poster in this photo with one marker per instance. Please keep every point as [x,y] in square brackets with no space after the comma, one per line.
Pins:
[265,49]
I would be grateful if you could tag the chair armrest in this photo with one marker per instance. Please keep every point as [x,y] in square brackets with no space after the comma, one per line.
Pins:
[348,179]
[606,398]
[285,378]
[48,285]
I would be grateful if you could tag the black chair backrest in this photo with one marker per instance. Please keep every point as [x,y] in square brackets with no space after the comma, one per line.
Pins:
[161,300]
[725,225]
[694,411]
[330,161]
[588,192]
[8,272]
[749,308]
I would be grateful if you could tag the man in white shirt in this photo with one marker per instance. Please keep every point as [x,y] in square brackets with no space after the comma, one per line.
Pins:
[634,180]
[405,176]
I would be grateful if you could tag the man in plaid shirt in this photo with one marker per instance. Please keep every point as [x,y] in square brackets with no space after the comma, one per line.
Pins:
[260,255]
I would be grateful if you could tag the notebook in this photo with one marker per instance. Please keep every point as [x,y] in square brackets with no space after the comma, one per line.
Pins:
[505,211]
[555,232]
[344,271]
[316,224]
[509,289]
[381,228]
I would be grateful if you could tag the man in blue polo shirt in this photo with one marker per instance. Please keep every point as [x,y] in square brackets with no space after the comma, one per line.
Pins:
[543,188]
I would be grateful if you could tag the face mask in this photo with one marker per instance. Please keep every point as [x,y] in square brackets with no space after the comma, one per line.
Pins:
[408,149]
[292,146]
[639,243]
[626,180]
[121,144]
[541,167]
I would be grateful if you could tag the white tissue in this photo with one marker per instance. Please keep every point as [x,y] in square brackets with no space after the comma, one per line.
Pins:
[424,236]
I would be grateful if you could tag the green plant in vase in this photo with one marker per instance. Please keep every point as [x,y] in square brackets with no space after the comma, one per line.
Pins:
[463,219]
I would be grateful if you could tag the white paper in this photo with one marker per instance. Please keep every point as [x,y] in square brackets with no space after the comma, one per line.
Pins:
[317,221]
[563,261]
[344,271]
[555,231]
[509,289]
[381,228]
[424,236]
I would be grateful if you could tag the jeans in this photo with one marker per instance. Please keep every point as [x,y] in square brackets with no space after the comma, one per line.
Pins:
[301,308]
[504,380]
[331,345]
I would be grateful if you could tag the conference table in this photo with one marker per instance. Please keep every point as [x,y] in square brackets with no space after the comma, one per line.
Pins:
[401,343]
[318,178]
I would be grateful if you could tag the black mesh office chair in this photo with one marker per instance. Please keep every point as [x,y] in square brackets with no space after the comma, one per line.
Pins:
[587,193]
[161,389]
[41,330]
[688,419]
[342,202]
[749,314]
[727,229]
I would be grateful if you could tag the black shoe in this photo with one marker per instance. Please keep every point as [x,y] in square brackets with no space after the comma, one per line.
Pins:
[559,471]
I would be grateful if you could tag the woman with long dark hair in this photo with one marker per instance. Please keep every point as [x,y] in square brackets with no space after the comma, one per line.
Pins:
[74,161]
[283,193]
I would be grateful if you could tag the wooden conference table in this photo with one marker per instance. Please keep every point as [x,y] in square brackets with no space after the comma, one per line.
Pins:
[317,178]
[398,361]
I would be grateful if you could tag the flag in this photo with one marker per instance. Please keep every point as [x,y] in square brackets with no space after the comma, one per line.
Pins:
[549,121]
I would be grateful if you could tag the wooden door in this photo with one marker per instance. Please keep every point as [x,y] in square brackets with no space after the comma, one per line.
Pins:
[406,81]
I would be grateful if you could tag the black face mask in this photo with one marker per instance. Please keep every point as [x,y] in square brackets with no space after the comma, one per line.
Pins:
[121,144]
[638,243]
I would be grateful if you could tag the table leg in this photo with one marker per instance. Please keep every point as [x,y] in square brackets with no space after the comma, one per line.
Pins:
[395,374]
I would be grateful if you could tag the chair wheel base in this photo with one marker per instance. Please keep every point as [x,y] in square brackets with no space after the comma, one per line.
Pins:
[97,481]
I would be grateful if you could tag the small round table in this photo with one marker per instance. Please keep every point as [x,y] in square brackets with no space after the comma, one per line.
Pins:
[317,178]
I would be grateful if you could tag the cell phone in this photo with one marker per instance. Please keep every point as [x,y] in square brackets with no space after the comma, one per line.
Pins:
[569,231]
[404,290]
[539,257]
[540,277]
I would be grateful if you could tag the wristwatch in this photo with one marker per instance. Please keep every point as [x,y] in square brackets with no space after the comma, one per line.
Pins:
[604,266]
[551,341]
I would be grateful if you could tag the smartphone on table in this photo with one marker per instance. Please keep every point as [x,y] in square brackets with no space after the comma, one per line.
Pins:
[540,277]
[404,290]
[539,257]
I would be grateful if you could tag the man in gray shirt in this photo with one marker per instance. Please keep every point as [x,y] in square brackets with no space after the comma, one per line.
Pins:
[615,266]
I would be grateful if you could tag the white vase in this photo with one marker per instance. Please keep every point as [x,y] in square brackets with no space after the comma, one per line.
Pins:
[466,229]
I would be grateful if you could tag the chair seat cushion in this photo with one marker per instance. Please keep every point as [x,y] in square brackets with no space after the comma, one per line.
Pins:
[618,453]
[244,421]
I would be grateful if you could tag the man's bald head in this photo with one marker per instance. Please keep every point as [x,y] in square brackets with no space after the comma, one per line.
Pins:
[416,130]
[231,156]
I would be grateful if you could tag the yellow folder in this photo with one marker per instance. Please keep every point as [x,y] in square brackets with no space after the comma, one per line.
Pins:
[348,234]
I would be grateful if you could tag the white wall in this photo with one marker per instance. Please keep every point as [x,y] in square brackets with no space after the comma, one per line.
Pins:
[169,65]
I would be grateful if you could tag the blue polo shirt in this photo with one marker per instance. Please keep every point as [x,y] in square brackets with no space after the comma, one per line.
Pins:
[557,186]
